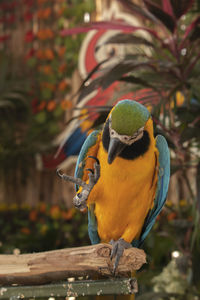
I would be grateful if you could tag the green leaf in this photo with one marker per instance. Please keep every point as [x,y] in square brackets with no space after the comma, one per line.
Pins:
[31,62]
[124,38]
[136,80]
[58,112]
[121,69]
[181,7]
[46,94]
[41,117]
[137,9]
[161,15]
[86,90]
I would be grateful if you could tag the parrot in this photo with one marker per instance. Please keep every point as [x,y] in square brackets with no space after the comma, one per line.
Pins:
[122,176]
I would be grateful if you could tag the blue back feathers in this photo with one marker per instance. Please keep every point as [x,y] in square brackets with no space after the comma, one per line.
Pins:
[162,188]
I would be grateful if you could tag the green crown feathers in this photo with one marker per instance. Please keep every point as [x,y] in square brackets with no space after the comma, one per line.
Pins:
[128,116]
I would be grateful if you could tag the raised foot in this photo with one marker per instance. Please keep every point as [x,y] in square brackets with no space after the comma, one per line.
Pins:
[80,199]
[117,251]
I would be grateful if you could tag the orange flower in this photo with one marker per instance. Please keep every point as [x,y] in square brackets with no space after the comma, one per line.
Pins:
[49,33]
[40,54]
[60,11]
[46,69]
[62,68]
[67,215]
[61,51]
[25,230]
[41,34]
[66,104]
[51,105]
[49,54]
[42,207]
[55,212]
[171,216]
[48,85]
[41,106]
[62,85]
[40,14]
[33,215]
[44,34]
[46,13]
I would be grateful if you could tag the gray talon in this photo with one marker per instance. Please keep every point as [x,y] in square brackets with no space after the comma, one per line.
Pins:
[65,177]
[117,251]
[80,200]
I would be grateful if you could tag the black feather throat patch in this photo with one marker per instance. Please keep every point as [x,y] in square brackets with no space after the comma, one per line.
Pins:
[130,152]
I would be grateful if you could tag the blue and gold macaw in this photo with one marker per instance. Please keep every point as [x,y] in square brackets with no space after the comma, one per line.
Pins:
[125,187]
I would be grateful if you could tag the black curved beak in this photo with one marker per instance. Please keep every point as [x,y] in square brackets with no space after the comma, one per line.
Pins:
[114,149]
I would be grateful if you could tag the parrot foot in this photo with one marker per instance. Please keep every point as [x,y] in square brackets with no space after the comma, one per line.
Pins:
[80,199]
[117,251]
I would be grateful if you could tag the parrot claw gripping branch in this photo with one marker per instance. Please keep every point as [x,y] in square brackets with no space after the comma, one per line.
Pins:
[80,200]
[118,248]
[123,201]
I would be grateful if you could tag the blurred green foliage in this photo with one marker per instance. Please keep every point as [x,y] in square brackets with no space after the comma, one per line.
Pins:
[41,229]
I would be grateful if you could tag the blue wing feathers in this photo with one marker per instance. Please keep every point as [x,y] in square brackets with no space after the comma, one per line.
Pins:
[162,187]
[92,226]
[73,144]
[89,142]
[80,165]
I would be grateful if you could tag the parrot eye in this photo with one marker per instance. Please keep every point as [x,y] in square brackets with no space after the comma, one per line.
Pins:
[112,132]
[78,195]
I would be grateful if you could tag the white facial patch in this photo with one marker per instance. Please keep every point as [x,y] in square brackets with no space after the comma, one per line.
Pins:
[126,139]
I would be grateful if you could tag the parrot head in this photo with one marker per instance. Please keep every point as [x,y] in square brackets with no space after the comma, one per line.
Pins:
[126,126]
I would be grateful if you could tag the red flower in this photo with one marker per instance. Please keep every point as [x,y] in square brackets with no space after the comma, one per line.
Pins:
[4,38]
[28,16]
[29,2]
[29,37]
[8,20]
[8,6]
[30,53]
[33,215]
[34,105]
[41,106]
[171,216]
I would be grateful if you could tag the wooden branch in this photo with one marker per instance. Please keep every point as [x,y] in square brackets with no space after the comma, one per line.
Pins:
[51,266]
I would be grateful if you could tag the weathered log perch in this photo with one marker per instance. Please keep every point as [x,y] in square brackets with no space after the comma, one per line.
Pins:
[52,266]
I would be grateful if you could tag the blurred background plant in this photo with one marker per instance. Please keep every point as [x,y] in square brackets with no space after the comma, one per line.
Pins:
[37,67]
[41,228]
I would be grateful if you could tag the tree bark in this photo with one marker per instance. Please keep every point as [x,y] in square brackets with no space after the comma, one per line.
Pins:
[51,266]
